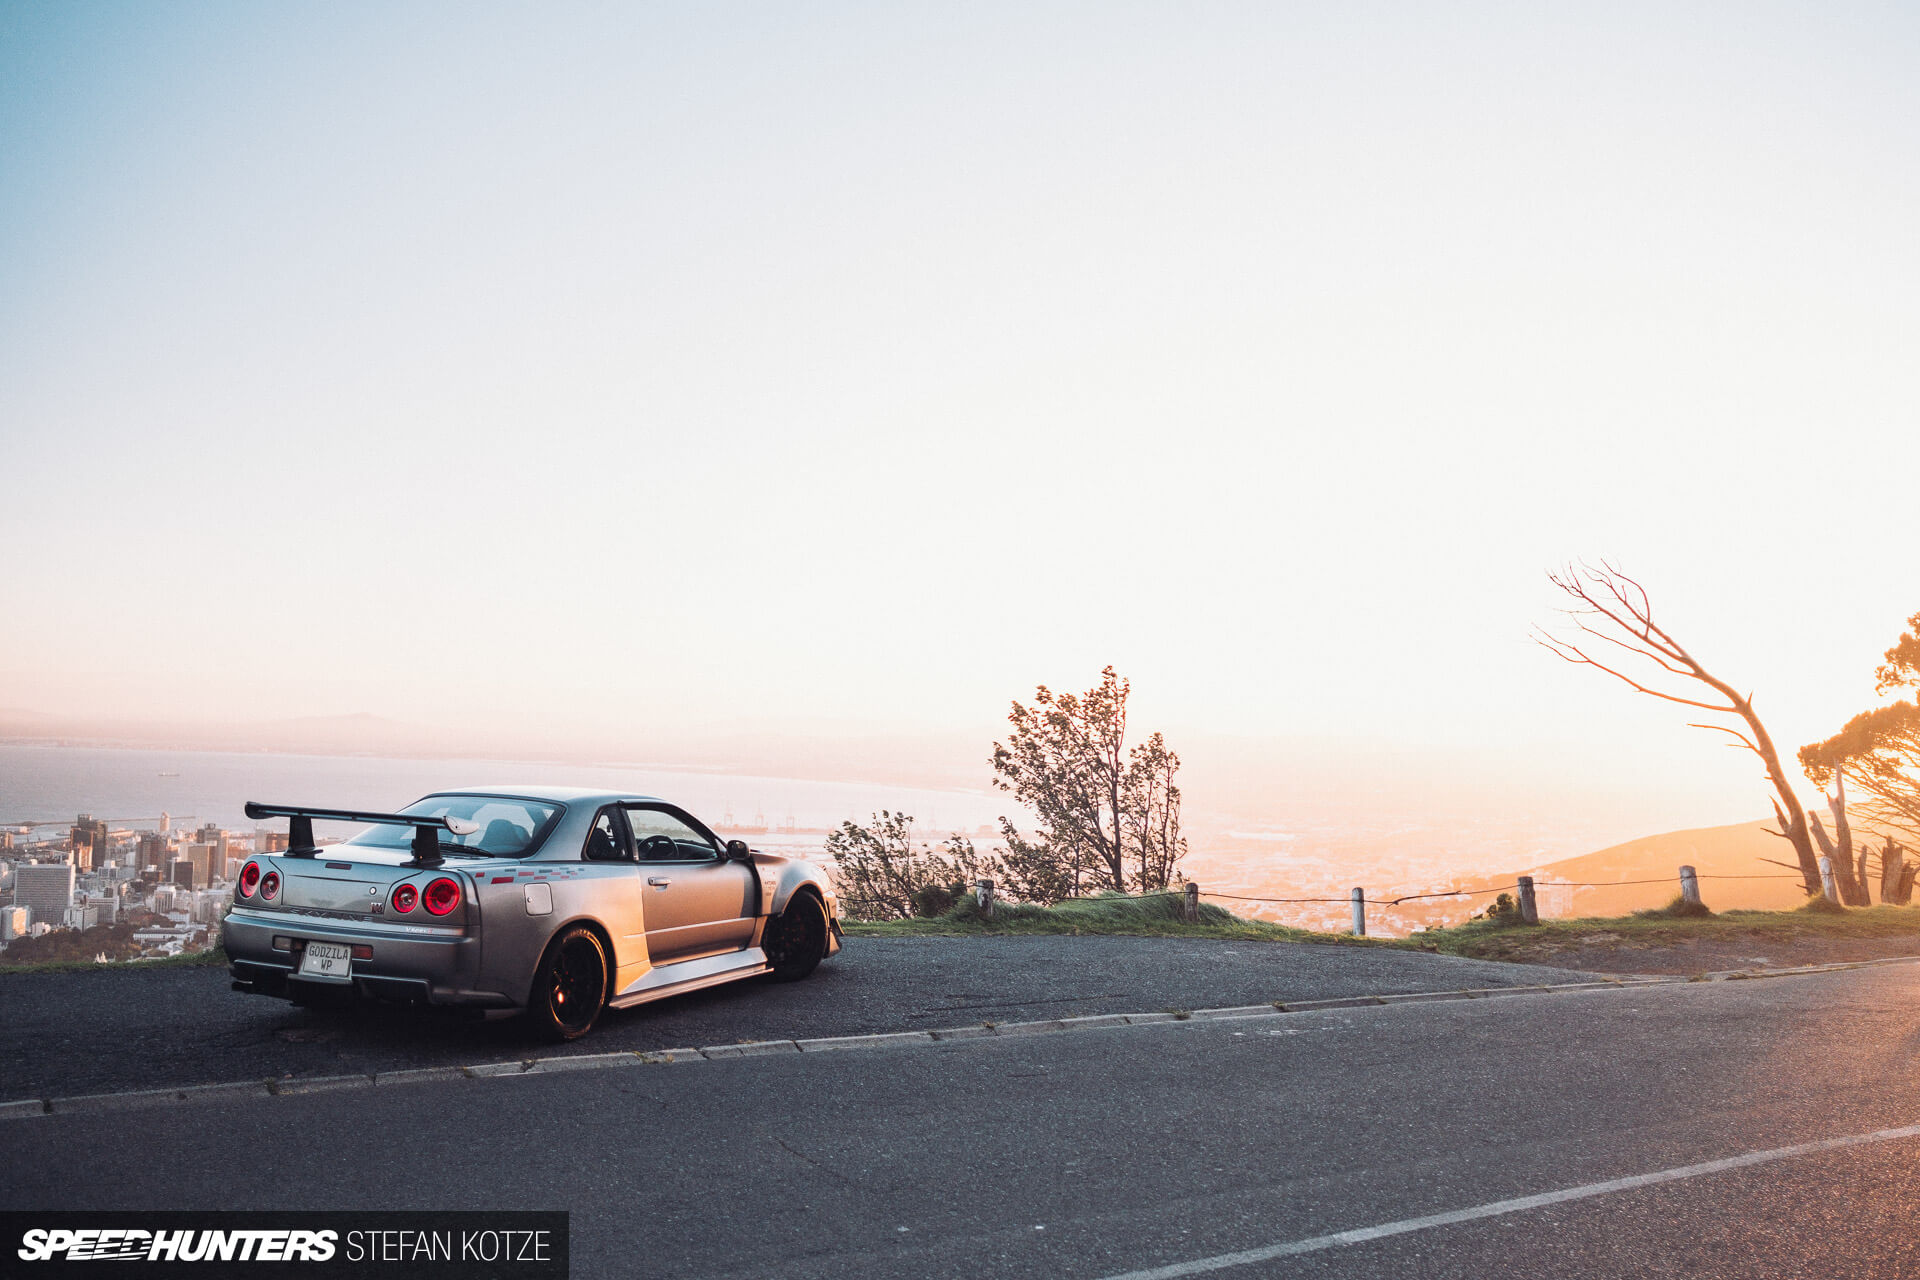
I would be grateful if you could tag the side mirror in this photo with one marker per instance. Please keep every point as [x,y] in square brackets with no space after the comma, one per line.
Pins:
[737,851]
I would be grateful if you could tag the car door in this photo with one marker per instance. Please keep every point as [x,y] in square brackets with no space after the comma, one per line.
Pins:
[698,903]
[617,896]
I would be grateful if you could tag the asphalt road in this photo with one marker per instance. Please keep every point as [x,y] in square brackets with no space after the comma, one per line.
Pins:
[73,1033]
[1103,1152]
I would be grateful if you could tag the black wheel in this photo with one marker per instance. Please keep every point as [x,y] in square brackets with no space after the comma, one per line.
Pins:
[796,939]
[570,987]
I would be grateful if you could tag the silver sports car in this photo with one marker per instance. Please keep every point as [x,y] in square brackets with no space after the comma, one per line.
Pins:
[555,901]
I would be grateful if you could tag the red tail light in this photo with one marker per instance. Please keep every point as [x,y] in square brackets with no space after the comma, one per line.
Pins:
[269,886]
[404,896]
[442,896]
[249,879]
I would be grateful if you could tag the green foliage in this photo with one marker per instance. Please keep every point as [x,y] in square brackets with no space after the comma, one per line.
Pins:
[1877,753]
[185,960]
[1108,815]
[114,941]
[1902,665]
[932,900]
[1502,911]
[1159,915]
[882,874]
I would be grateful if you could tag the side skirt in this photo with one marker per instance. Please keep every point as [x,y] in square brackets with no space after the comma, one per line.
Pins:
[692,975]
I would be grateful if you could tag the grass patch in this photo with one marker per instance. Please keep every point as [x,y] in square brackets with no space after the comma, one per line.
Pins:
[1155,917]
[1501,937]
[186,960]
[1678,909]
[1665,928]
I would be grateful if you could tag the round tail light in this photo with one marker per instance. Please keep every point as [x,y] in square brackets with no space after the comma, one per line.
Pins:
[270,886]
[249,879]
[442,896]
[404,898]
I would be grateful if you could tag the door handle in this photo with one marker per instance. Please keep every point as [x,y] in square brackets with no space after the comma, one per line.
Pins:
[658,882]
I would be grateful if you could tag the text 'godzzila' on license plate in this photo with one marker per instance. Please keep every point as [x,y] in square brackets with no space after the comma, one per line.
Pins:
[326,960]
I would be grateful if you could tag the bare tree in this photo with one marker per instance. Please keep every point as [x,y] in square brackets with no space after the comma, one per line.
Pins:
[1611,608]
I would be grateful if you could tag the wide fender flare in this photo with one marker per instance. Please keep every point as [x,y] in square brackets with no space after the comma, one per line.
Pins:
[790,879]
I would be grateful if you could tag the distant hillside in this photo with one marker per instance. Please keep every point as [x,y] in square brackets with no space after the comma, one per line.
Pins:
[1714,852]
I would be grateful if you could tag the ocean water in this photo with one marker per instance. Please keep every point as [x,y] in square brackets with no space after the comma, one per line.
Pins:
[133,787]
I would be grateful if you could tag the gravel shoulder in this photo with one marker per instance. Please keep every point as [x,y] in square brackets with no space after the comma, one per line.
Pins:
[108,1029]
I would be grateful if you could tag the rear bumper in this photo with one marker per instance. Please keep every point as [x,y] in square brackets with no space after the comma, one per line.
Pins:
[419,968]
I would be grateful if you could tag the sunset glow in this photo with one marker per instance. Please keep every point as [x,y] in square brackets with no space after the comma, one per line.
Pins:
[620,388]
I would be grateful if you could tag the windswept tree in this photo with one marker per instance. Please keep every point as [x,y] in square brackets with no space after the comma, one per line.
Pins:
[1612,616]
[1108,814]
[1877,753]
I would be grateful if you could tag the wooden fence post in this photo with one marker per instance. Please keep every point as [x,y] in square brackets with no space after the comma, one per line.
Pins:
[1193,903]
[1359,913]
[1689,886]
[983,891]
[1529,911]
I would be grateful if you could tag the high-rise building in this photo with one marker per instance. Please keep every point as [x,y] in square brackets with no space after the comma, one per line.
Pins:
[181,874]
[89,840]
[265,841]
[201,856]
[153,850]
[46,887]
[14,922]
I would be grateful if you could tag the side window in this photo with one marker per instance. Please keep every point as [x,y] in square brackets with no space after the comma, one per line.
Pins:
[603,842]
[661,837]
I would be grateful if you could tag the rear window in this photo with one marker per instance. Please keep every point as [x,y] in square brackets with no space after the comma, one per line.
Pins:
[510,826]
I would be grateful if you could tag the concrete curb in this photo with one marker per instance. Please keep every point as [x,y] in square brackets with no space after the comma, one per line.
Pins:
[319,1084]
[750,1049]
[140,1099]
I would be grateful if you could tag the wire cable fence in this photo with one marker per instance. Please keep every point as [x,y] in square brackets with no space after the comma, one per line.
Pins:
[1359,900]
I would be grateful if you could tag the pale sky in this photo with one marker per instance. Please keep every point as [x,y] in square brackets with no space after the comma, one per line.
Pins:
[838,367]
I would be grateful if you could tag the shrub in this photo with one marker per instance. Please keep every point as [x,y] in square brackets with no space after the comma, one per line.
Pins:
[934,899]
[1504,909]
[1678,909]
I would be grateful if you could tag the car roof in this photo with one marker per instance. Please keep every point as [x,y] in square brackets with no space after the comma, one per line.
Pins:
[547,791]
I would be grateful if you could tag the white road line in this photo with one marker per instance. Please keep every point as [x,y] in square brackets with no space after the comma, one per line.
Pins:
[1360,1235]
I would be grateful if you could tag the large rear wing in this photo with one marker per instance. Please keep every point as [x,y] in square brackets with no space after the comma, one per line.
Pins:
[301,844]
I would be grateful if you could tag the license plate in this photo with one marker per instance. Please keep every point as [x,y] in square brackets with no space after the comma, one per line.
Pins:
[327,960]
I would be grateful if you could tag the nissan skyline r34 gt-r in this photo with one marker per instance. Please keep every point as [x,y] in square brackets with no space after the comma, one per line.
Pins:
[554,901]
